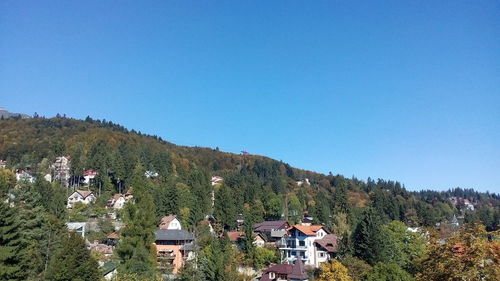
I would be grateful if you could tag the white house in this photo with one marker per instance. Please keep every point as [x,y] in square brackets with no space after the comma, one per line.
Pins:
[88,175]
[151,174]
[301,182]
[83,196]
[3,163]
[48,177]
[117,201]
[24,175]
[61,169]
[215,180]
[312,243]
[170,222]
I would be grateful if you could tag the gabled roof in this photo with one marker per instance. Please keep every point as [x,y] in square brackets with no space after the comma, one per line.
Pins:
[295,271]
[84,193]
[328,242]
[279,269]
[309,230]
[166,220]
[267,226]
[173,235]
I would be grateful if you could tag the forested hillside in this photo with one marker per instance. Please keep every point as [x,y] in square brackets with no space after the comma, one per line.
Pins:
[254,187]
[114,151]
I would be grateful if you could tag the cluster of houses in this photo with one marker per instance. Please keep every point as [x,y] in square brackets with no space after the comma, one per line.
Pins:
[456,200]
[300,246]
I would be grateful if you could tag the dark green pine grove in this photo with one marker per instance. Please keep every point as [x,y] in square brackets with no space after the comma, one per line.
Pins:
[72,262]
[369,243]
[135,249]
[10,245]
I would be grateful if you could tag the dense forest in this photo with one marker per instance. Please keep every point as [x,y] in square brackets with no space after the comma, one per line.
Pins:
[361,212]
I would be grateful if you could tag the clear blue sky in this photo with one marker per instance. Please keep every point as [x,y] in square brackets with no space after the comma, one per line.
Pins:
[403,90]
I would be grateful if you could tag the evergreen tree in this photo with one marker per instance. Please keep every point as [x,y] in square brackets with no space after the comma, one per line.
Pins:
[218,261]
[225,209]
[339,200]
[370,245]
[248,246]
[345,247]
[10,244]
[73,262]
[135,250]
[189,272]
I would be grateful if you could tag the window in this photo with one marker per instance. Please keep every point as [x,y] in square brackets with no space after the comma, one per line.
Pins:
[321,255]
[302,243]
[294,253]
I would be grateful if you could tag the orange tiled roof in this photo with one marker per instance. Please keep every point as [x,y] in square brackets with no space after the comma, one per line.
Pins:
[234,235]
[309,230]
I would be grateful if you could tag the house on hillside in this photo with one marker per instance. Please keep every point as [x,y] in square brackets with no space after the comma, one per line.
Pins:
[301,182]
[285,272]
[61,169]
[25,175]
[109,270]
[240,220]
[77,227]
[83,196]
[237,237]
[117,201]
[300,242]
[151,174]
[326,247]
[170,222]
[88,175]
[272,231]
[173,248]
[3,164]
[215,180]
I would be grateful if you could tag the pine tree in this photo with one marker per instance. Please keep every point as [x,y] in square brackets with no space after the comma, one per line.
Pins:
[10,244]
[73,262]
[135,250]
[248,246]
[345,246]
[369,242]
[340,202]
[225,209]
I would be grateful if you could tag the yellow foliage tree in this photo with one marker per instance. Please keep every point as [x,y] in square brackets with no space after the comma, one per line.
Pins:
[468,255]
[333,271]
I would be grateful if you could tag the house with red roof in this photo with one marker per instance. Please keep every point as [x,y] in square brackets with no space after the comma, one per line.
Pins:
[313,244]
[89,175]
